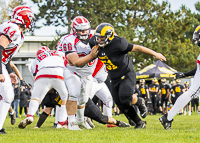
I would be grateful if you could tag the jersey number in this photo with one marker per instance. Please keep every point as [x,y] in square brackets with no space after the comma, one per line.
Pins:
[11,33]
[7,52]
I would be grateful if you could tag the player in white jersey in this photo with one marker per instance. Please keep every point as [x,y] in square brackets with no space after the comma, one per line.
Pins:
[48,69]
[11,39]
[192,92]
[81,65]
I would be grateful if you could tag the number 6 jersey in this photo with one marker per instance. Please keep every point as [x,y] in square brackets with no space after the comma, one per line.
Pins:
[15,37]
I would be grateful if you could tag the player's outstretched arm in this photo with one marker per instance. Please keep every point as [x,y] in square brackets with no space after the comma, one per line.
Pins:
[138,48]
[190,73]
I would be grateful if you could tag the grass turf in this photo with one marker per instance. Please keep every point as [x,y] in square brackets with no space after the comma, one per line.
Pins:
[184,129]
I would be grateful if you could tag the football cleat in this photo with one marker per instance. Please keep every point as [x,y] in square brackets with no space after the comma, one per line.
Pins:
[84,125]
[123,124]
[2,131]
[73,126]
[141,125]
[111,125]
[89,121]
[13,118]
[25,122]
[54,125]
[166,124]
[143,109]
[60,125]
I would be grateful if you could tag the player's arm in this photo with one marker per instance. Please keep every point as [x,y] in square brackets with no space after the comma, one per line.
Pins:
[168,93]
[147,90]
[77,61]
[138,48]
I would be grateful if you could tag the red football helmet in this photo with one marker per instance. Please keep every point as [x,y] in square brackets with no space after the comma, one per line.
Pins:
[42,49]
[80,23]
[24,15]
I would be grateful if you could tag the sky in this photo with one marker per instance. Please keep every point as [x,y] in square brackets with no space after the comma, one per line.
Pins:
[51,30]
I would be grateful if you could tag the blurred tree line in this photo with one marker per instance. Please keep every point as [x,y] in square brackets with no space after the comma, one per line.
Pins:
[144,22]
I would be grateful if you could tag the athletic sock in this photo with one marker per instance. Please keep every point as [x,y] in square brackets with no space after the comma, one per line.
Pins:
[107,110]
[42,119]
[179,104]
[12,112]
[57,114]
[80,114]
[4,107]
[62,117]
[33,107]
[71,118]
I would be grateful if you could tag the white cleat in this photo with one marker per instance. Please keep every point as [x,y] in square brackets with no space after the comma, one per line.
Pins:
[89,121]
[73,126]
[25,122]
[84,125]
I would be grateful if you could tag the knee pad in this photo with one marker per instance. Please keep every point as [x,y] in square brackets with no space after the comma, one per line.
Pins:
[126,103]
[108,104]
[8,99]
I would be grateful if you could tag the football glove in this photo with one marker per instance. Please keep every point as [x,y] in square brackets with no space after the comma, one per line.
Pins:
[179,75]
[23,83]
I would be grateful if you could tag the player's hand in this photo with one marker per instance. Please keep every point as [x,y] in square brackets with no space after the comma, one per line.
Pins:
[179,75]
[94,51]
[159,56]
[2,78]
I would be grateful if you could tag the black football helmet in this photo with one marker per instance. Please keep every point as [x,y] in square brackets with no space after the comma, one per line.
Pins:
[106,31]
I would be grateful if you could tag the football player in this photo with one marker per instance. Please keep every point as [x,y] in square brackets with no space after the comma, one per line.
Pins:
[48,71]
[144,91]
[11,39]
[164,95]
[153,89]
[113,51]
[192,92]
[78,73]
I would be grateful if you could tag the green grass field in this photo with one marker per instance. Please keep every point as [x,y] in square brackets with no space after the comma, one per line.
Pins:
[184,129]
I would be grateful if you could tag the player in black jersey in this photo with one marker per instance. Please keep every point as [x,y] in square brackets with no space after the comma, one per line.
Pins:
[164,95]
[113,51]
[144,91]
[153,90]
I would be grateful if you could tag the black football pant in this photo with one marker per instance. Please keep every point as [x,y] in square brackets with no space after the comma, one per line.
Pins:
[122,90]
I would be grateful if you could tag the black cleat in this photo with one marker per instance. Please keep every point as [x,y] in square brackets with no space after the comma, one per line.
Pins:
[143,109]
[13,118]
[2,131]
[166,124]
[54,125]
[141,125]
[123,124]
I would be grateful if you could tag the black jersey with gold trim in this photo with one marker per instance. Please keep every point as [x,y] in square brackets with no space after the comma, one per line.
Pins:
[115,56]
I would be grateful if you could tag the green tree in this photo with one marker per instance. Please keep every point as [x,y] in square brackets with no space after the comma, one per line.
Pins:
[6,9]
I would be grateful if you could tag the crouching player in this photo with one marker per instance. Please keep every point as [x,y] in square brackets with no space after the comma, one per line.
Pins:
[91,111]
[48,69]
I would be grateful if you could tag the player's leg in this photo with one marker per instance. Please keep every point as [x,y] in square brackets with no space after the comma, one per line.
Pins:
[87,90]
[105,95]
[73,85]
[7,93]
[43,117]
[59,86]
[182,100]
[93,112]
[40,89]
